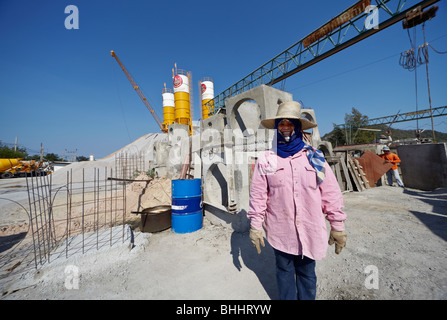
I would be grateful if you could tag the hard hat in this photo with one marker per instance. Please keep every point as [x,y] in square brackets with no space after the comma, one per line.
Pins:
[385,148]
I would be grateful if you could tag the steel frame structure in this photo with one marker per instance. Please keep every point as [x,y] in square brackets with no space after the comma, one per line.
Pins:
[409,116]
[299,57]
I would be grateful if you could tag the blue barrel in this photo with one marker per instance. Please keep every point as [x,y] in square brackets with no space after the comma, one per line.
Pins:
[186,206]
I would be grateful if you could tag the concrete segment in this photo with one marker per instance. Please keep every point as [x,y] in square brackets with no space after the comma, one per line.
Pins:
[424,166]
[246,110]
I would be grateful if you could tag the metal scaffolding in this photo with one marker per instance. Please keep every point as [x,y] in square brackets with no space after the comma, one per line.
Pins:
[408,116]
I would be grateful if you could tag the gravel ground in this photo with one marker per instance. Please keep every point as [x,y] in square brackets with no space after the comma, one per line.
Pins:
[396,250]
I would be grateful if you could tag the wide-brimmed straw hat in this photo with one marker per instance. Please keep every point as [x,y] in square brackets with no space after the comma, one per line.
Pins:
[288,110]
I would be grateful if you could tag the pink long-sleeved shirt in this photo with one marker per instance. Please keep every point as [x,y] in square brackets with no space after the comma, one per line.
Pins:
[286,200]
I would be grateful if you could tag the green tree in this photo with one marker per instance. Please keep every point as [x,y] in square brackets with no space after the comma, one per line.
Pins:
[52,157]
[353,122]
[34,157]
[336,136]
[9,153]
[82,158]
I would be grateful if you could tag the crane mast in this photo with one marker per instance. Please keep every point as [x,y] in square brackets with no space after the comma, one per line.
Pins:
[140,94]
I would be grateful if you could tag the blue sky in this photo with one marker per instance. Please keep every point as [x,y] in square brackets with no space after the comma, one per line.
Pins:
[62,87]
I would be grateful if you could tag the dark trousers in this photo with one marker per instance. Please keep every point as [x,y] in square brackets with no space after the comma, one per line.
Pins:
[295,276]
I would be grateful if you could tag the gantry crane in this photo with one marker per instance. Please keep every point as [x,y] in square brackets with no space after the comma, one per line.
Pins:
[163,127]
[337,34]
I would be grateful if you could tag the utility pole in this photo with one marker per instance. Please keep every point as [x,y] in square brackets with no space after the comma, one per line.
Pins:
[428,85]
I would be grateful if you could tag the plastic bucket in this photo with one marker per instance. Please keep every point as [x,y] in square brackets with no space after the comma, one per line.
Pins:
[186,206]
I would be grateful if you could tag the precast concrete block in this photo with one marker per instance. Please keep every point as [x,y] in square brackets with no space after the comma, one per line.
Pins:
[227,180]
[220,194]
[217,122]
[196,161]
[161,150]
[423,166]
[309,114]
[161,153]
[215,189]
[196,143]
[217,199]
[180,143]
[246,110]
[177,132]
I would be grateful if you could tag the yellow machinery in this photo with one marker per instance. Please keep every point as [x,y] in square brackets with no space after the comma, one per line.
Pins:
[6,164]
[163,126]
[17,167]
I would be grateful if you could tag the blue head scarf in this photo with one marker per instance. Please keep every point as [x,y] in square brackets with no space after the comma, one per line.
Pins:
[295,144]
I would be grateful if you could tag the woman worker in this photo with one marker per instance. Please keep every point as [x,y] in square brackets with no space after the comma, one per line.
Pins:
[293,189]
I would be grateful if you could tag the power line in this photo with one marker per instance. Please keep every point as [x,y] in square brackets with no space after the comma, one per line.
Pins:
[344,72]
[440,52]
[366,65]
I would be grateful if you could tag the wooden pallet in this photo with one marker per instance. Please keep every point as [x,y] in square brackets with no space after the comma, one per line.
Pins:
[357,174]
[362,173]
[338,166]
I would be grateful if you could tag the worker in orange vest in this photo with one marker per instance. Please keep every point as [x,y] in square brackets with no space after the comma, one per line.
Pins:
[394,159]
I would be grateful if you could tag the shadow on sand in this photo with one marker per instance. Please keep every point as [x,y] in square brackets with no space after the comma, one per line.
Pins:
[436,221]
[263,265]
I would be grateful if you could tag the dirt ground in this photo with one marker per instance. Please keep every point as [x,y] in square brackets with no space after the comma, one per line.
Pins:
[396,249]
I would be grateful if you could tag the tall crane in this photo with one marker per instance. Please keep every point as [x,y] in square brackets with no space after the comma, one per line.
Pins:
[163,127]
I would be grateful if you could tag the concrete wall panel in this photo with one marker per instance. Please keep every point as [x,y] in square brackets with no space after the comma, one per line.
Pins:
[424,166]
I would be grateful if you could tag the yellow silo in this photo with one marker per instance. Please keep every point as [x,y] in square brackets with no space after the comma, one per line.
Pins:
[168,107]
[207,89]
[181,97]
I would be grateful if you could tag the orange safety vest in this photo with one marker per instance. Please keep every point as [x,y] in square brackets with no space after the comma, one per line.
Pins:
[391,157]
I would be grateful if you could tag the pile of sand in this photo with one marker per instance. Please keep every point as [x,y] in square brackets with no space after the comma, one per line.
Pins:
[149,193]
[143,146]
